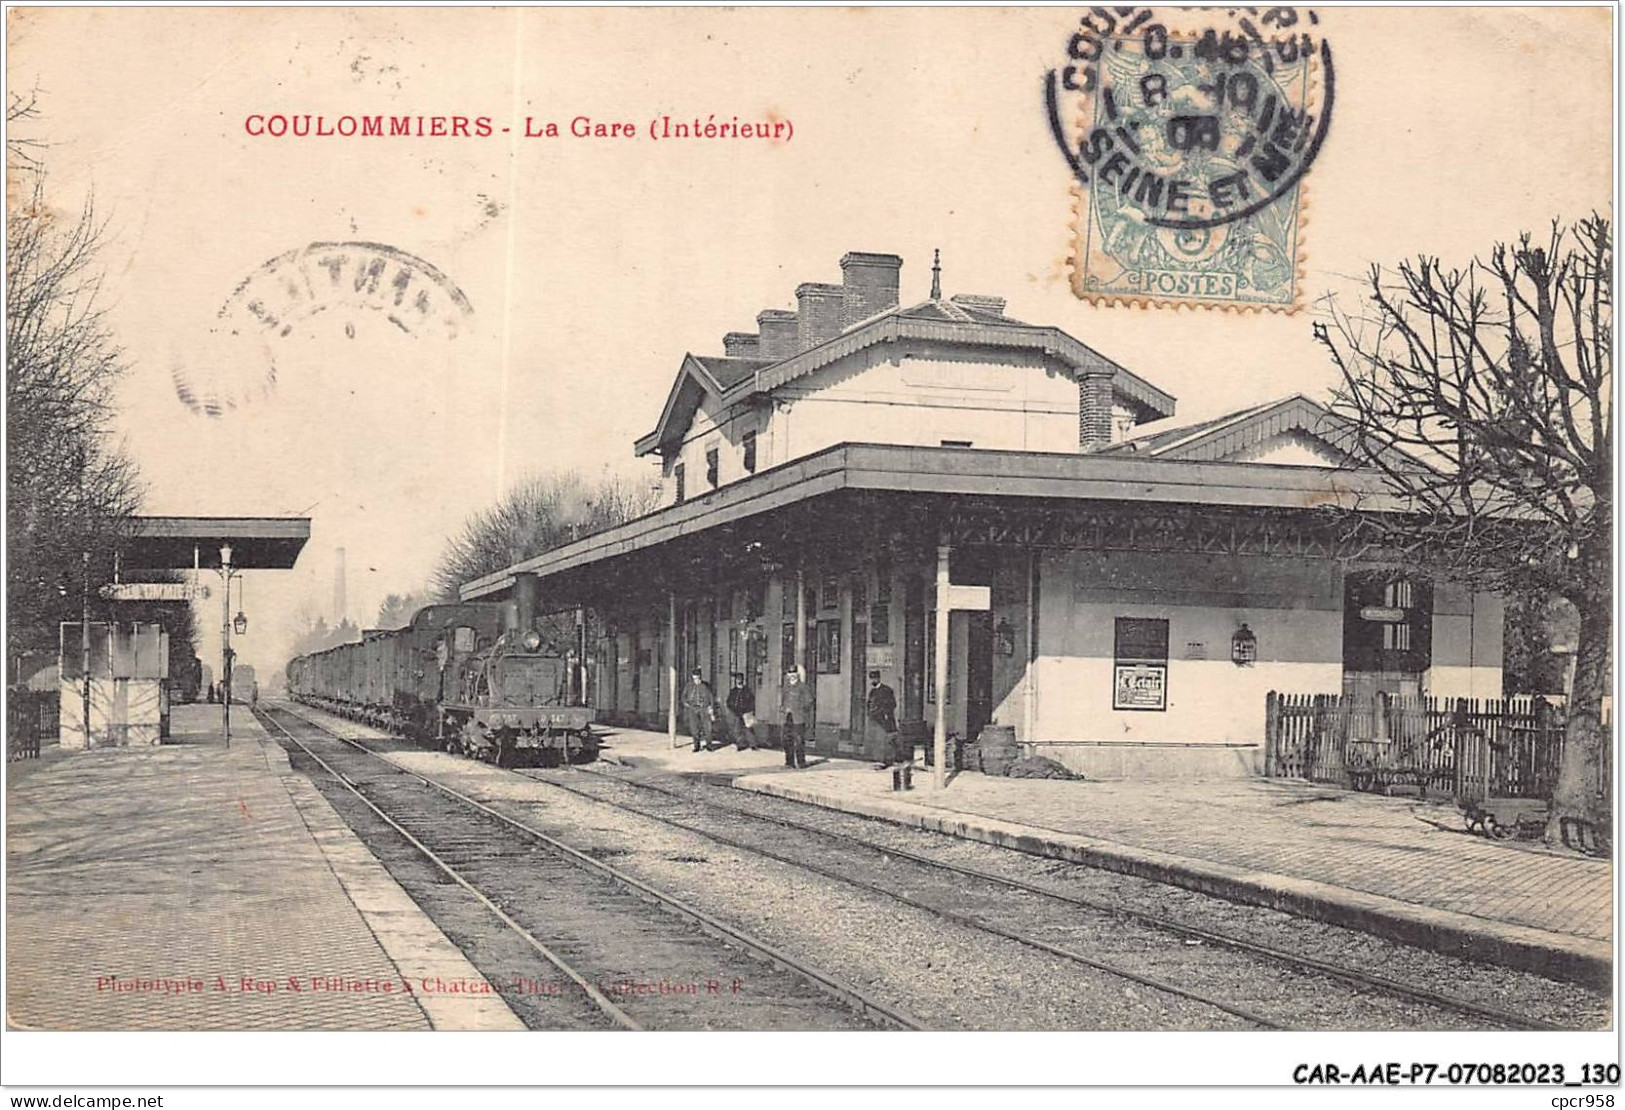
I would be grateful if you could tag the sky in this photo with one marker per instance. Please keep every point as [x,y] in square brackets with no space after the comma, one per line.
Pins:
[589,266]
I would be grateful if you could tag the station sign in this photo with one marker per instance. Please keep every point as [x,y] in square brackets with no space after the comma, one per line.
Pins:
[154,591]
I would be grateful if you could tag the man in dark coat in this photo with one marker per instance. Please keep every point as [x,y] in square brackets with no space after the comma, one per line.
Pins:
[881,735]
[795,713]
[741,706]
[700,709]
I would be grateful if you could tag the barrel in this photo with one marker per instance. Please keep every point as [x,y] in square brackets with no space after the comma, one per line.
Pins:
[996,749]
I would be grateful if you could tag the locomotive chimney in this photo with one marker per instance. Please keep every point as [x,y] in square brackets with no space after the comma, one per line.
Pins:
[525,594]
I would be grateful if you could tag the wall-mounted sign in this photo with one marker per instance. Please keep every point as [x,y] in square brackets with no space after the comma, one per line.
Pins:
[1140,671]
[154,591]
[1244,647]
[1383,614]
[1142,686]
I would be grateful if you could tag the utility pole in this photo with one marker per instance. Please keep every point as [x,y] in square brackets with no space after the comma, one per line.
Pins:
[84,649]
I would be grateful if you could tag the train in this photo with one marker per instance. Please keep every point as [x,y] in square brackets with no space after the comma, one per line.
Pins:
[458,678]
[186,680]
[245,687]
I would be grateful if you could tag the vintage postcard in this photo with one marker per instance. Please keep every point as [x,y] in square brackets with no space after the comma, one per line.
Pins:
[548,521]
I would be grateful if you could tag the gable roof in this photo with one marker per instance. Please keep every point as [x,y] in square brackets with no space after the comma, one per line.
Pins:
[1236,433]
[973,321]
[697,377]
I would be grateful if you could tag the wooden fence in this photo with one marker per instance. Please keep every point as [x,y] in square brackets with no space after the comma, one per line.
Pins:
[1505,747]
[30,716]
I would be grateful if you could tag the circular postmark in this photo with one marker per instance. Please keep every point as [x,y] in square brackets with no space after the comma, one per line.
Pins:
[1192,118]
[323,291]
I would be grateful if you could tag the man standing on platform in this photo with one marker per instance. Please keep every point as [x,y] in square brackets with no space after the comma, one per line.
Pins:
[700,708]
[741,706]
[795,712]
[880,733]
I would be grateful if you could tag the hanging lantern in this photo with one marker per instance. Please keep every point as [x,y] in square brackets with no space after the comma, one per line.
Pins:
[239,623]
[1004,639]
[1244,647]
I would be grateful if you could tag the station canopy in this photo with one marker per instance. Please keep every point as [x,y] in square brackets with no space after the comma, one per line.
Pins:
[174,542]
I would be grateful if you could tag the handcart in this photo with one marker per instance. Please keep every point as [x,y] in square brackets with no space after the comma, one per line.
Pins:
[1504,785]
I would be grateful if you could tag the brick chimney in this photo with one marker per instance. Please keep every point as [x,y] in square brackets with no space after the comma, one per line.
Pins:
[819,309]
[741,344]
[993,305]
[1094,411]
[779,331]
[869,282]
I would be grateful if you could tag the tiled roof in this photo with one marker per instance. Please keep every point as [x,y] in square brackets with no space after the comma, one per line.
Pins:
[963,318]
[1236,433]
[729,372]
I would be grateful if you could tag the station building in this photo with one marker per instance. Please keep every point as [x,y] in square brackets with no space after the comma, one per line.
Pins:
[1121,590]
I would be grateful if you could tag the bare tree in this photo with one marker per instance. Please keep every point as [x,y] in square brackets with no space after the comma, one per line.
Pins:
[537,515]
[1494,384]
[397,610]
[70,491]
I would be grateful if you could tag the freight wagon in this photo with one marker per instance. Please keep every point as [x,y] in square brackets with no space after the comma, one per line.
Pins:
[456,678]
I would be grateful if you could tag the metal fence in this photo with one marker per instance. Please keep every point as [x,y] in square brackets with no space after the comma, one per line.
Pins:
[1508,747]
[31,716]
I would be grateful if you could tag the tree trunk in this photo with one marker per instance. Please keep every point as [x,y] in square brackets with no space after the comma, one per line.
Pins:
[1580,793]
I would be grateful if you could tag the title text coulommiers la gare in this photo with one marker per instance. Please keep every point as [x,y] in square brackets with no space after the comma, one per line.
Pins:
[772,127]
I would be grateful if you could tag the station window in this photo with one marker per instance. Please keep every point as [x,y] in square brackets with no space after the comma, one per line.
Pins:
[712,467]
[829,647]
[677,482]
[748,442]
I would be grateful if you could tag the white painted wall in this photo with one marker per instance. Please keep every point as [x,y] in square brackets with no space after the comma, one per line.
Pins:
[1293,606]
[1467,643]
[1020,403]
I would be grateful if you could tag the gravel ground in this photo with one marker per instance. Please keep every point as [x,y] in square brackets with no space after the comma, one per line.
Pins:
[951,976]
[1488,984]
[945,975]
[652,964]
[1284,995]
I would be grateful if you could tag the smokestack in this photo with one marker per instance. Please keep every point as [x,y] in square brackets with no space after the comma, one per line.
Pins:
[1094,411]
[340,602]
[819,310]
[993,305]
[870,283]
[525,598]
[741,344]
[778,333]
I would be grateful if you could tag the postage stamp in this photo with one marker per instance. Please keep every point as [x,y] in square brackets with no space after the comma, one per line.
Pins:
[1189,133]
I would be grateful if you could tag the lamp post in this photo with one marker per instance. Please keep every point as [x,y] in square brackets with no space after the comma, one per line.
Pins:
[227,573]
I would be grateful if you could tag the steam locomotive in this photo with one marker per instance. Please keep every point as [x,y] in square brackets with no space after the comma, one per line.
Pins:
[458,679]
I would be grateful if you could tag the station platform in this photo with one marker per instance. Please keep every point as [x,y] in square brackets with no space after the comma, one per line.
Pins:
[199,886]
[1400,868]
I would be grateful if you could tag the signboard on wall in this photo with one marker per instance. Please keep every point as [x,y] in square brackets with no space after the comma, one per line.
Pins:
[1140,686]
[1140,666]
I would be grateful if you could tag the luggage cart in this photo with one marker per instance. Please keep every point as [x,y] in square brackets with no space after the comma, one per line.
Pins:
[1504,786]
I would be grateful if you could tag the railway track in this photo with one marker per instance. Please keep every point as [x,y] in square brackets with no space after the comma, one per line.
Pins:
[696,813]
[1263,986]
[571,922]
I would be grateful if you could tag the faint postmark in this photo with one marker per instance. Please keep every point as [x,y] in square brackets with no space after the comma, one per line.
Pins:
[324,289]
[1189,133]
